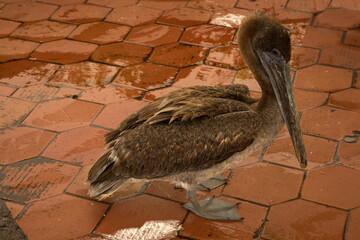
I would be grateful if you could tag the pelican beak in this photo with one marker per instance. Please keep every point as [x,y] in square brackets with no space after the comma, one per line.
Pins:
[278,71]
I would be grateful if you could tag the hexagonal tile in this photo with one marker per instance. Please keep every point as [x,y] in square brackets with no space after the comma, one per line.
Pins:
[152,95]
[178,55]
[80,186]
[308,6]
[62,114]
[330,122]
[66,219]
[231,17]
[319,151]
[63,2]
[349,154]
[100,32]
[154,34]
[346,56]
[245,77]
[352,37]
[122,54]
[63,51]
[35,179]
[353,227]
[11,48]
[13,111]
[300,219]
[6,91]
[113,3]
[27,11]
[203,75]
[7,27]
[345,4]
[201,228]
[263,5]
[109,94]
[226,56]
[146,76]
[170,4]
[80,146]
[80,13]
[133,15]
[325,185]
[39,93]
[323,78]
[208,35]
[43,31]
[306,100]
[84,75]
[338,18]
[264,183]
[211,4]
[349,98]
[114,113]
[302,57]
[321,37]
[22,143]
[185,17]
[138,211]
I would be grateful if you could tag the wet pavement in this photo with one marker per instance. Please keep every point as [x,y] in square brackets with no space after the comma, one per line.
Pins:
[72,70]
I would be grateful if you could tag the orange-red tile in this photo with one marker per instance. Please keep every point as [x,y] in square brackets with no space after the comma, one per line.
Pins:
[154,34]
[203,75]
[11,48]
[349,154]
[63,51]
[308,5]
[264,183]
[341,56]
[22,143]
[353,228]
[318,37]
[300,219]
[122,54]
[43,31]
[270,5]
[345,4]
[325,185]
[62,114]
[201,228]
[14,208]
[7,27]
[152,95]
[349,99]
[319,151]
[84,75]
[113,3]
[100,32]
[357,79]
[323,78]
[185,17]
[62,217]
[133,15]
[330,122]
[306,100]
[114,113]
[35,179]
[338,18]
[109,94]
[78,146]
[63,2]
[302,57]
[231,17]
[10,117]
[24,72]
[6,91]
[139,210]
[80,13]
[27,11]
[208,35]
[146,76]
[352,37]
[226,56]
[245,77]
[36,93]
[178,55]
[169,4]
[211,4]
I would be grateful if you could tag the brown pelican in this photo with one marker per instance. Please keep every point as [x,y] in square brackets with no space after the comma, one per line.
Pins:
[195,133]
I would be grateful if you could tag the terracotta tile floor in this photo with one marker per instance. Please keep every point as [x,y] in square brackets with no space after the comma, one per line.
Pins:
[71,70]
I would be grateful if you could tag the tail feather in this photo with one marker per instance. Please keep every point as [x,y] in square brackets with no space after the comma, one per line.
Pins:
[104,189]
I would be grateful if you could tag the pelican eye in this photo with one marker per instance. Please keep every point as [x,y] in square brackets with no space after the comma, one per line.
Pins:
[276,52]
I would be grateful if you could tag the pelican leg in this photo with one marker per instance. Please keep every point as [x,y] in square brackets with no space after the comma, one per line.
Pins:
[212,208]
[211,183]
